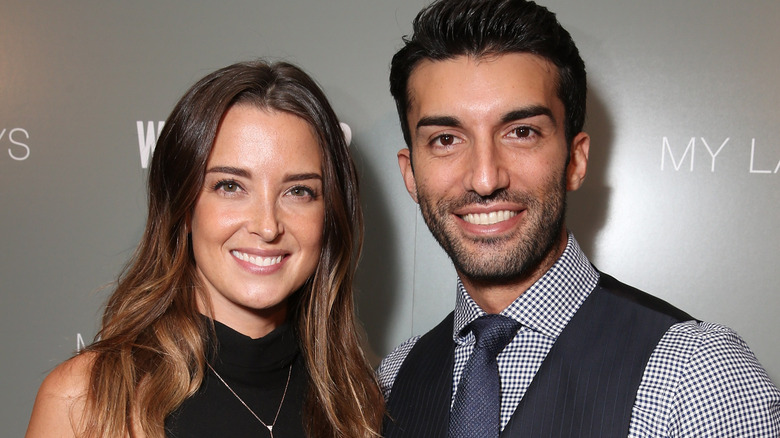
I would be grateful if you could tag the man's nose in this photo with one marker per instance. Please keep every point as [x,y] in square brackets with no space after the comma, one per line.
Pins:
[487,169]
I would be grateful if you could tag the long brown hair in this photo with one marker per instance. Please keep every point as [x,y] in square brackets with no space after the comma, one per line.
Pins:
[150,352]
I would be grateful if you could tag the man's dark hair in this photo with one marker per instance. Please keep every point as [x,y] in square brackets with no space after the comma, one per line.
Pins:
[450,28]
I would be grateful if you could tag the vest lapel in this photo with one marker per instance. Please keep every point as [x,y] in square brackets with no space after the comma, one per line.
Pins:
[419,403]
[587,384]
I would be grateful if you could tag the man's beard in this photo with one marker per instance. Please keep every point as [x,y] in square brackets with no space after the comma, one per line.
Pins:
[493,261]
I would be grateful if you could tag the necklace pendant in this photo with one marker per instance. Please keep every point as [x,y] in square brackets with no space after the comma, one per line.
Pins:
[270,427]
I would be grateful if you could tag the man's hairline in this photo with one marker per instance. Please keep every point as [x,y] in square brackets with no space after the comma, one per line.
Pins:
[478,57]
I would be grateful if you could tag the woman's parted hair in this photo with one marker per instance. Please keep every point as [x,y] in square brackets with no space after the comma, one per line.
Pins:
[179,162]
[152,336]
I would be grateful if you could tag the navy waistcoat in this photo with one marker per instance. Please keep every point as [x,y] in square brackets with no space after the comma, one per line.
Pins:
[585,387]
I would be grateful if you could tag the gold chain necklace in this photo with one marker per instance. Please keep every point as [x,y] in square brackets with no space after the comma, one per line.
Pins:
[270,427]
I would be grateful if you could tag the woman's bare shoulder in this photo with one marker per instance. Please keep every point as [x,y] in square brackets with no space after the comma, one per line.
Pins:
[70,378]
[61,398]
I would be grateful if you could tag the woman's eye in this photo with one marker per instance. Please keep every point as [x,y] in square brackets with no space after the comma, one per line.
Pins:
[302,191]
[227,186]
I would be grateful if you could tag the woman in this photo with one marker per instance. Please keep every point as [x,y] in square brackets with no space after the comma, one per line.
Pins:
[235,316]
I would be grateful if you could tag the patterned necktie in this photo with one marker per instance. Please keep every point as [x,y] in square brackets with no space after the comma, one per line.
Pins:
[477,407]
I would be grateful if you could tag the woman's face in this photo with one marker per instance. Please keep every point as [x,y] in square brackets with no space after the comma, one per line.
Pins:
[257,224]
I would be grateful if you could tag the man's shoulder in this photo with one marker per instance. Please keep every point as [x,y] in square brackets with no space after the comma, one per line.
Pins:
[704,344]
[710,382]
[630,294]
[390,365]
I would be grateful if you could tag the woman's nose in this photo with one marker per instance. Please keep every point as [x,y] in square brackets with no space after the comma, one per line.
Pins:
[265,221]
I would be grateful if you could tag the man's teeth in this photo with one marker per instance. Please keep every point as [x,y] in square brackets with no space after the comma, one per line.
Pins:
[489,218]
[257,260]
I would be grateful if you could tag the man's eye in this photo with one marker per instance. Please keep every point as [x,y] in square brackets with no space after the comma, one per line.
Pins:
[522,132]
[446,139]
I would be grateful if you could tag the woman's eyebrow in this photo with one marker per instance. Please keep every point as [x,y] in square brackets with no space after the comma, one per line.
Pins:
[303,176]
[237,171]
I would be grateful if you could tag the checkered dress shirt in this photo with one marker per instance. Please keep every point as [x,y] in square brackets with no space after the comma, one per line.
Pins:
[701,380]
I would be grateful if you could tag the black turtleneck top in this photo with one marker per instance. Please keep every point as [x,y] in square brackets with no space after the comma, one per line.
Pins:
[257,370]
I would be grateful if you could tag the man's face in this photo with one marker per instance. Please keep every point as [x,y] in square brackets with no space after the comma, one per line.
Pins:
[489,163]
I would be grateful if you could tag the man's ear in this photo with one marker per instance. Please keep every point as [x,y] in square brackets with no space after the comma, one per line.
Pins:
[578,161]
[407,173]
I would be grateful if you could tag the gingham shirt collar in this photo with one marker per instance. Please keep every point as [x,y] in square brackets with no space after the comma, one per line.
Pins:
[547,306]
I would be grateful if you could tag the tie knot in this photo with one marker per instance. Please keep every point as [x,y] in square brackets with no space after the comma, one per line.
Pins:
[493,332]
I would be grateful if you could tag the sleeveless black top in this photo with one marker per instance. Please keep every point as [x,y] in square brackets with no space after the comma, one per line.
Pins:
[257,370]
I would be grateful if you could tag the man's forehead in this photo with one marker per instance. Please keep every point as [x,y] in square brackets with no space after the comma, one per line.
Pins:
[477,83]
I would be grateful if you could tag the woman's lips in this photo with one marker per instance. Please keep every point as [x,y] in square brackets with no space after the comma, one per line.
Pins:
[256,259]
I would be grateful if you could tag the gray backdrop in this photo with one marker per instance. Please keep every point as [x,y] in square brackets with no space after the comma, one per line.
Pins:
[681,198]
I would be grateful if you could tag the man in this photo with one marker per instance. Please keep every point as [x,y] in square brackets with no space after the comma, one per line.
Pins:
[491,96]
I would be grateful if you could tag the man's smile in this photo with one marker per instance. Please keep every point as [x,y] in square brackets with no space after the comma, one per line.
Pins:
[488,218]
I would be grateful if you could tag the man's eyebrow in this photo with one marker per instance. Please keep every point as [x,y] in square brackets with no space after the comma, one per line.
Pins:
[518,114]
[438,121]
[237,171]
[528,112]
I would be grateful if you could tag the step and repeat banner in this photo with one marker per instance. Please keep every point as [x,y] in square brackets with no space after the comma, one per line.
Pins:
[681,198]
